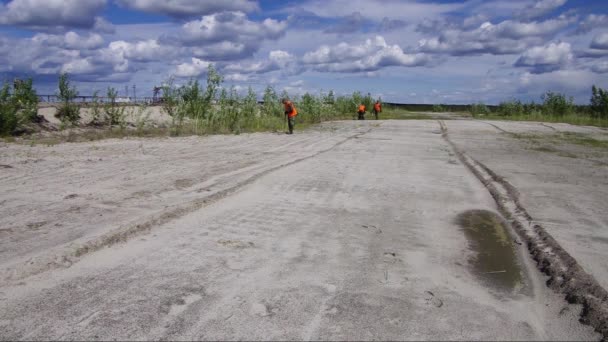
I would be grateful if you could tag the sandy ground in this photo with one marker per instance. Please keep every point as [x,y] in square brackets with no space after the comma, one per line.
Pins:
[346,231]
[563,186]
[152,115]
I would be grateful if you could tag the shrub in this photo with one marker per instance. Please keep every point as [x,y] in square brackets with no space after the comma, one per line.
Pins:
[8,111]
[479,109]
[556,104]
[96,106]
[310,108]
[438,108]
[599,102]
[272,104]
[115,113]
[19,108]
[329,98]
[68,112]
[510,108]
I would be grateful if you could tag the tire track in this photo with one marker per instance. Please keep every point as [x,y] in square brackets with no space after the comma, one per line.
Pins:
[566,276]
[64,257]
[487,123]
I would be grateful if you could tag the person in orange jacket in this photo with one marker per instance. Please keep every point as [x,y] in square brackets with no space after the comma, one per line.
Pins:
[361,112]
[377,108]
[290,114]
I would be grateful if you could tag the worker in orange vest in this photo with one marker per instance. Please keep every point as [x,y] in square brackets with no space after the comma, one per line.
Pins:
[377,108]
[290,114]
[361,112]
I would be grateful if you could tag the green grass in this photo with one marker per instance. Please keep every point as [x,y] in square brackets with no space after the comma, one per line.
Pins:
[540,141]
[578,120]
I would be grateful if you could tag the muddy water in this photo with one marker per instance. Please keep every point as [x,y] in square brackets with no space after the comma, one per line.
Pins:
[496,262]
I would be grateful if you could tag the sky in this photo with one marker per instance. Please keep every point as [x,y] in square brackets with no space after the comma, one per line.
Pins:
[408,51]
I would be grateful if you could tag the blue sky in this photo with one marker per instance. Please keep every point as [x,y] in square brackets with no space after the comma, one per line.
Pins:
[412,51]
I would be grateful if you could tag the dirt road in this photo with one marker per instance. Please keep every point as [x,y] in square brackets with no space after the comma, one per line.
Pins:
[351,230]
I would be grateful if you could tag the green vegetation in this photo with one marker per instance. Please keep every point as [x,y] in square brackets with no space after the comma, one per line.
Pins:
[479,109]
[68,112]
[17,108]
[556,139]
[216,109]
[115,113]
[555,107]
[599,102]
[197,108]
[439,108]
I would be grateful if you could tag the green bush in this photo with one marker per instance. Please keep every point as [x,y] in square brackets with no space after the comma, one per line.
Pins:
[479,109]
[68,112]
[438,108]
[8,111]
[272,104]
[115,113]
[510,108]
[309,109]
[599,102]
[19,108]
[556,104]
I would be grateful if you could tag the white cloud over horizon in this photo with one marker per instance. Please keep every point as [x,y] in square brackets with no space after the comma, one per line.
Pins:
[366,45]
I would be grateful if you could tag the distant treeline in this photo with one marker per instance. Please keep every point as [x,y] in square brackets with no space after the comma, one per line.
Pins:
[211,108]
[419,107]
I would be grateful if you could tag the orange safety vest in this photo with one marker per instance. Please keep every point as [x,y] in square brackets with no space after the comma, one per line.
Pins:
[361,108]
[377,107]
[290,109]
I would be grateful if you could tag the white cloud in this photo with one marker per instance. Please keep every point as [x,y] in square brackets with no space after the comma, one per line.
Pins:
[571,82]
[231,26]
[59,14]
[103,26]
[71,41]
[600,41]
[374,54]
[224,50]
[600,67]
[506,37]
[348,24]
[194,69]
[516,30]
[189,8]
[546,58]
[540,8]
[225,36]
[277,60]
[143,51]
[79,66]
[592,22]
[408,10]
[236,77]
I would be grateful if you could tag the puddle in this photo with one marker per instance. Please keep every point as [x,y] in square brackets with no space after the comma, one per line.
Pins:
[496,262]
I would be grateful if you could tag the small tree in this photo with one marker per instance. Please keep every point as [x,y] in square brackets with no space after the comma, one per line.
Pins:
[19,108]
[438,108]
[96,109]
[169,98]
[8,111]
[249,104]
[310,108]
[214,81]
[272,104]
[599,102]
[68,112]
[557,104]
[510,108]
[114,112]
[479,109]
[329,98]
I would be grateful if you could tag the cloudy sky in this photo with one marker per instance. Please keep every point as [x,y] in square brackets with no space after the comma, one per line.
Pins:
[413,51]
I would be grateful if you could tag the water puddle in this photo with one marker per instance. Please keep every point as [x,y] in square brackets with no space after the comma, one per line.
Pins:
[496,262]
